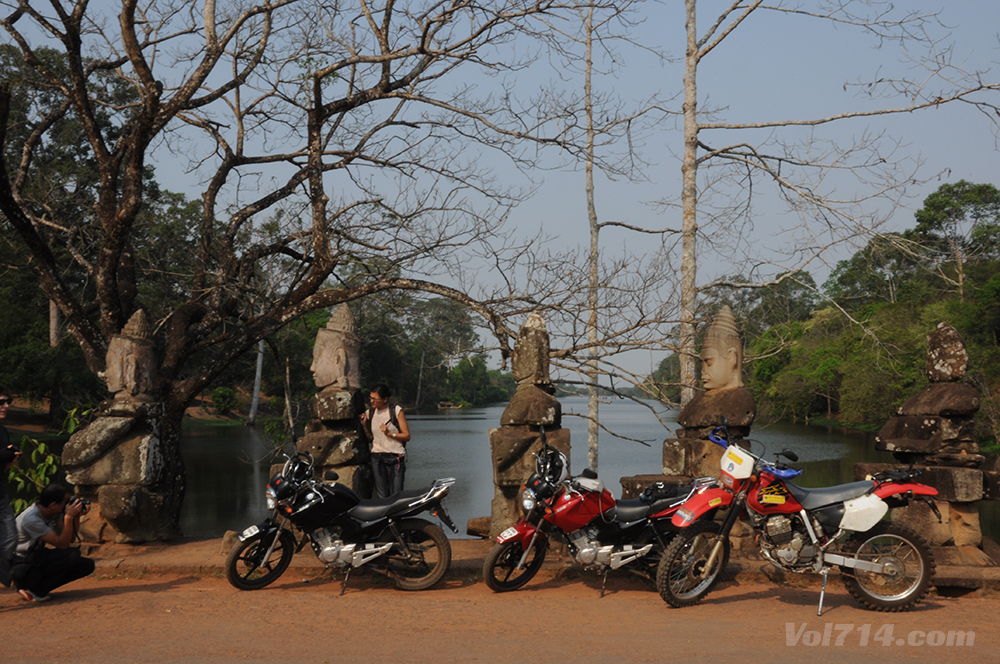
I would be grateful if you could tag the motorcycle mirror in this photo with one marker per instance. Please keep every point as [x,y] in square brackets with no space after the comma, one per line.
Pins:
[790,455]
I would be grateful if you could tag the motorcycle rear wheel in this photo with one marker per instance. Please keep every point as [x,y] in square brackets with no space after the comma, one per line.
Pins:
[500,567]
[680,578]
[424,561]
[908,558]
[246,568]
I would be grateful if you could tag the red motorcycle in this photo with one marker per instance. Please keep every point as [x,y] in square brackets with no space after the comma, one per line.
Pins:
[600,533]
[885,566]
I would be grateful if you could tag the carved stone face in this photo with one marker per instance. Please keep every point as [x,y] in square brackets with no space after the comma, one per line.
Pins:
[130,368]
[329,361]
[720,371]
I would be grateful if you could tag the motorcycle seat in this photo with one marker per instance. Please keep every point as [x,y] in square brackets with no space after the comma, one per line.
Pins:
[378,508]
[630,510]
[812,499]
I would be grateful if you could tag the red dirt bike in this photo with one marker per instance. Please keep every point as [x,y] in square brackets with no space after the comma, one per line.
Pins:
[600,533]
[886,567]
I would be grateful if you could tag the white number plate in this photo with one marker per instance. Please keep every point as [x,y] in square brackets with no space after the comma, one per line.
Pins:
[507,534]
[249,532]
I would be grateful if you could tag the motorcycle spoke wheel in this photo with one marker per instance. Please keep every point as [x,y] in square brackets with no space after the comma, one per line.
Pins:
[424,559]
[246,568]
[682,579]
[909,568]
[500,567]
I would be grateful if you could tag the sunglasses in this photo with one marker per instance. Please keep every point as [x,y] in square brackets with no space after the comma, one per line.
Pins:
[6,401]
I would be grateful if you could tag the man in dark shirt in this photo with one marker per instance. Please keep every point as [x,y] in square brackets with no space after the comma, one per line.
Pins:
[9,453]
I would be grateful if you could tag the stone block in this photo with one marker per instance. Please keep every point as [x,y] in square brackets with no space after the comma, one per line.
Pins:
[479,527]
[944,399]
[703,458]
[918,517]
[706,409]
[960,485]
[138,460]
[947,358]
[333,405]
[506,509]
[965,528]
[93,441]
[138,514]
[674,456]
[532,406]
[330,447]
[922,434]
[513,451]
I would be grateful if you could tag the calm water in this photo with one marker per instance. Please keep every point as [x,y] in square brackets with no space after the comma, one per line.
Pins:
[227,466]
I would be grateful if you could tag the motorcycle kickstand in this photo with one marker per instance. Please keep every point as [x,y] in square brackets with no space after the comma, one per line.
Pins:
[343,586]
[822,592]
[604,582]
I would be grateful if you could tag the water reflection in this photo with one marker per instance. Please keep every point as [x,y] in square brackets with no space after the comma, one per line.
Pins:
[227,466]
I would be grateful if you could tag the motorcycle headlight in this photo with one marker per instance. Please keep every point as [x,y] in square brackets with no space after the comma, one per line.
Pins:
[528,500]
[272,498]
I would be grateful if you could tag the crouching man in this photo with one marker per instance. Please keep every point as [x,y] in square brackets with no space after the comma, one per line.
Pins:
[54,520]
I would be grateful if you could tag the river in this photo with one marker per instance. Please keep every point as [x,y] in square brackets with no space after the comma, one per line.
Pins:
[227,467]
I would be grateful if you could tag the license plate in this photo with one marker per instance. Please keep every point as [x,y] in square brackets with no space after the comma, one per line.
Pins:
[249,532]
[507,534]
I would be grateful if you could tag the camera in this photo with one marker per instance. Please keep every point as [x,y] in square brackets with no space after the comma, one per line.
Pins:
[82,502]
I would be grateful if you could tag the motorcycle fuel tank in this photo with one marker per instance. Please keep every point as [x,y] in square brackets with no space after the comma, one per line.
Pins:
[320,509]
[770,496]
[573,510]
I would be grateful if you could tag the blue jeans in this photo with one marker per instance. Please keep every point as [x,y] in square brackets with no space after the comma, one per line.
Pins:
[389,471]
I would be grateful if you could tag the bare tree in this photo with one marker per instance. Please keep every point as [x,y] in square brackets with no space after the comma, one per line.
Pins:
[804,172]
[327,142]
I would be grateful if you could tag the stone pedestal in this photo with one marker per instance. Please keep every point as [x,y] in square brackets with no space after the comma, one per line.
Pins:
[334,439]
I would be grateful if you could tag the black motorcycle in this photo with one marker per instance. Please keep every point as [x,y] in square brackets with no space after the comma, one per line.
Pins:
[345,532]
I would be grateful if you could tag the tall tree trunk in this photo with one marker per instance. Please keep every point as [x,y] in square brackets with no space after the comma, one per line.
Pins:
[255,400]
[689,201]
[595,229]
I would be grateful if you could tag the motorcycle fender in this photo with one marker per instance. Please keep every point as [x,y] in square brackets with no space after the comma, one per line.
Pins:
[863,512]
[894,489]
[699,504]
[267,527]
[520,532]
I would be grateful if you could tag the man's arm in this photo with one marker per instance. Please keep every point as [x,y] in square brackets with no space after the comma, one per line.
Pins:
[71,523]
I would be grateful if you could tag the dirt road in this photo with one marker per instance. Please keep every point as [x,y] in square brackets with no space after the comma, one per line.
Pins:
[172,618]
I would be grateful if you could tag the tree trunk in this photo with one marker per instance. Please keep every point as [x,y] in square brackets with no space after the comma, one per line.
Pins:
[689,202]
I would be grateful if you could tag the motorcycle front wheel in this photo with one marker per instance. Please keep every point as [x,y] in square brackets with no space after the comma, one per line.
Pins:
[246,568]
[500,567]
[682,579]
[908,568]
[421,555]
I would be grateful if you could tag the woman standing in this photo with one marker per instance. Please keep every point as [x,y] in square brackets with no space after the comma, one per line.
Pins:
[386,427]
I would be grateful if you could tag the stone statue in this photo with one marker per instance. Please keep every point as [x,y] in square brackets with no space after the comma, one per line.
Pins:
[722,354]
[337,353]
[691,454]
[513,446]
[934,429]
[332,436]
[130,363]
[117,461]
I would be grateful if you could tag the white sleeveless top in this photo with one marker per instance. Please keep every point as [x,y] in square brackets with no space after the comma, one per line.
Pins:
[381,443]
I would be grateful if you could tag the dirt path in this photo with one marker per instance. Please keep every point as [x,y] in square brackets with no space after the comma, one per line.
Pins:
[173,618]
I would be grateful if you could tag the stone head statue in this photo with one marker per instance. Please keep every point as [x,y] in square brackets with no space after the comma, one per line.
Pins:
[530,362]
[130,363]
[337,353]
[722,353]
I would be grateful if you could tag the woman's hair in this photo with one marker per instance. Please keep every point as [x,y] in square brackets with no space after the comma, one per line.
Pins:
[382,390]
